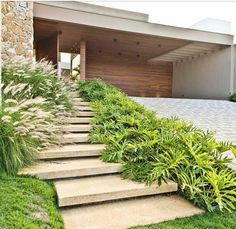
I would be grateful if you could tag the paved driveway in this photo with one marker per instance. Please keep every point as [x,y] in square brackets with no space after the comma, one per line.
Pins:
[215,115]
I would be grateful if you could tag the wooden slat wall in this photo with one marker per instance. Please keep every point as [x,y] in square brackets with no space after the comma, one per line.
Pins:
[48,49]
[135,78]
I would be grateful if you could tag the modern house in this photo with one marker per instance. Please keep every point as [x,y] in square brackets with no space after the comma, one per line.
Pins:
[124,49]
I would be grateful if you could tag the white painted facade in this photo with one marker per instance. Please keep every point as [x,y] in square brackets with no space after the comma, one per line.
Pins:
[206,77]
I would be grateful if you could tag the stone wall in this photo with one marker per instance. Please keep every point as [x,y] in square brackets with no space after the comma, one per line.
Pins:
[17,29]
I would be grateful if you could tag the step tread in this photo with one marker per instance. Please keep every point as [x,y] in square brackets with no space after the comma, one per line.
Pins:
[85,113]
[73,120]
[74,138]
[81,103]
[127,213]
[71,168]
[82,108]
[67,151]
[76,127]
[105,188]
[77,99]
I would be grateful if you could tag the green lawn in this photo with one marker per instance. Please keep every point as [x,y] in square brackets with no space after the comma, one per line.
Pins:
[28,203]
[216,220]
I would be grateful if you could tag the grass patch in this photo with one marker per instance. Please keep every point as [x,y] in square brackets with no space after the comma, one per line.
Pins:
[155,149]
[27,202]
[215,220]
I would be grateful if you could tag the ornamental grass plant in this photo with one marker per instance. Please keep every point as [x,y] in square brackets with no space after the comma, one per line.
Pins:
[34,102]
[40,76]
[153,149]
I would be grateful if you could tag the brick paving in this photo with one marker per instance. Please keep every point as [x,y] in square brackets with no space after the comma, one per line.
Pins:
[214,115]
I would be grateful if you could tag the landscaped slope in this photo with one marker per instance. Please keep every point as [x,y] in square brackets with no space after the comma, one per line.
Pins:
[32,100]
[156,149]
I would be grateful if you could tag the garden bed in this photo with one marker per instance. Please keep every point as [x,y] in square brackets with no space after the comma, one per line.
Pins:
[155,149]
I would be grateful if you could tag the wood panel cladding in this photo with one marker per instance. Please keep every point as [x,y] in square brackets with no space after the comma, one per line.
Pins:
[135,78]
[48,49]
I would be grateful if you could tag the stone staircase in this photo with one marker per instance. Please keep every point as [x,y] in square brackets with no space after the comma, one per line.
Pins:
[82,179]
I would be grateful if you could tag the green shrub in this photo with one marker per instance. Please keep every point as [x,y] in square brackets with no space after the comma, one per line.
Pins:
[155,149]
[233,97]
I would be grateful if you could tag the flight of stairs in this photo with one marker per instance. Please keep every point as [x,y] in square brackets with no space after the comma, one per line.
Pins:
[80,177]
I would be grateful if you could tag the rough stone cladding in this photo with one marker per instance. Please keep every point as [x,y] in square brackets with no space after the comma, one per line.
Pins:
[17,29]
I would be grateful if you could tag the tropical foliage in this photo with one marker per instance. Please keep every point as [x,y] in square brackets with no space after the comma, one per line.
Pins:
[233,97]
[155,149]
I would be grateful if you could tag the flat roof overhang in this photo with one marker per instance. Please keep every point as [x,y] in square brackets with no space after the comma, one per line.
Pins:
[105,42]
[122,21]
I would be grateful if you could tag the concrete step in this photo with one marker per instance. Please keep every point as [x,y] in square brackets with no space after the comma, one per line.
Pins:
[80,103]
[105,188]
[83,108]
[74,138]
[66,168]
[74,94]
[76,99]
[77,128]
[123,214]
[85,114]
[69,151]
[77,120]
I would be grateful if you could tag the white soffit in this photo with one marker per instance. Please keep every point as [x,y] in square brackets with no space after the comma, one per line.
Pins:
[188,52]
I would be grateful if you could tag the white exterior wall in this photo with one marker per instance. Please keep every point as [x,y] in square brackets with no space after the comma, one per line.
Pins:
[207,77]
[234,68]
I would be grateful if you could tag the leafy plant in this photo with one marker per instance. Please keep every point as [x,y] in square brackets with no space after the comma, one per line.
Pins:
[154,149]
[233,97]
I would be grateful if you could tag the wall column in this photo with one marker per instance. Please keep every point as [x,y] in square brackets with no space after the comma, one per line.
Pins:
[82,59]
[232,69]
[17,29]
